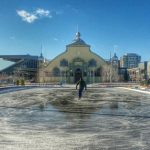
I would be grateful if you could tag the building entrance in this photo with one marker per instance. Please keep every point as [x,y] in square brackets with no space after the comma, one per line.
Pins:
[78,74]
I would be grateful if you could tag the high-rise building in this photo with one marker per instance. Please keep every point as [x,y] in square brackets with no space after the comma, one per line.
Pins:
[130,60]
[148,69]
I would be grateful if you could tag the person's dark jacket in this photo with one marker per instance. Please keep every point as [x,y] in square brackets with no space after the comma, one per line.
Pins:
[81,84]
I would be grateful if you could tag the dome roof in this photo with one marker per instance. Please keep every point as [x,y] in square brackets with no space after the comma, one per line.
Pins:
[115,57]
[78,40]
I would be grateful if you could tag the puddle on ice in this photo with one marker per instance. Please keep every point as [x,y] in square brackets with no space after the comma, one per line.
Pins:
[55,119]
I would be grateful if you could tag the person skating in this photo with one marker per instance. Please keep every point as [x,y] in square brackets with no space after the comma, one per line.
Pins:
[82,86]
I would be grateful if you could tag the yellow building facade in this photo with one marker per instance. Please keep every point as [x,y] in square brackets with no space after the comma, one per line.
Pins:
[78,60]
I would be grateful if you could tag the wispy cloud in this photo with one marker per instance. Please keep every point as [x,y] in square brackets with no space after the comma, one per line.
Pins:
[72,8]
[116,48]
[26,16]
[39,13]
[55,39]
[43,13]
[59,12]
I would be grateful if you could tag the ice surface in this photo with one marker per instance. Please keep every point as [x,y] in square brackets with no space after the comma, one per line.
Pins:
[54,119]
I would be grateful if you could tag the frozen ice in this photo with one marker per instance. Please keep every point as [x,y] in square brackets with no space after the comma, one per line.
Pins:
[53,119]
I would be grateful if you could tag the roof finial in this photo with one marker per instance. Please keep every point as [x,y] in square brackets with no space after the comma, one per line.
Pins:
[77,28]
[41,50]
[115,49]
[78,35]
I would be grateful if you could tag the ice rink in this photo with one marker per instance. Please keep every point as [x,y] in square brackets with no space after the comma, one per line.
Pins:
[54,119]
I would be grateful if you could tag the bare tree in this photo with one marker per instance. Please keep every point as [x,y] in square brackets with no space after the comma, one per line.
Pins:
[109,74]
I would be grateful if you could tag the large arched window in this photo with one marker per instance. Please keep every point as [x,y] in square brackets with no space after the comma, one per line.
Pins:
[56,71]
[92,63]
[63,63]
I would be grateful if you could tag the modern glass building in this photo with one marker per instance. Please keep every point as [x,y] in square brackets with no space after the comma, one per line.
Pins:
[24,67]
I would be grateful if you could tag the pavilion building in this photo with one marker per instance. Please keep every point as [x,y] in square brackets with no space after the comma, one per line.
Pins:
[77,60]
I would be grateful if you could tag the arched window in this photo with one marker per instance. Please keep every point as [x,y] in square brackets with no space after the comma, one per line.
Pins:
[56,71]
[63,63]
[92,63]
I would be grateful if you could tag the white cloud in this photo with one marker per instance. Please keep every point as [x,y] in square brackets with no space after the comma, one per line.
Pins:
[41,12]
[26,16]
[30,17]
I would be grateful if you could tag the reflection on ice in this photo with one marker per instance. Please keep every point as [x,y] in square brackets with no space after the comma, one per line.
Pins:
[56,119]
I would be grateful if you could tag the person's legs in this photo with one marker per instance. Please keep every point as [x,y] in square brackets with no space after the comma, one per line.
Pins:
[80,93]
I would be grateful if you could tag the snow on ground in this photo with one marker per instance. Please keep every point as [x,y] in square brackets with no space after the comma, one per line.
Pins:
[141,90]
[53,119]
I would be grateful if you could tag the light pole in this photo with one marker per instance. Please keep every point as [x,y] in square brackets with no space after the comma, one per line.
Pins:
[110,68]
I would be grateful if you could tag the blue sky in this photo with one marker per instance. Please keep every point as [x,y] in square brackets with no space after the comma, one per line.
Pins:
[106,25]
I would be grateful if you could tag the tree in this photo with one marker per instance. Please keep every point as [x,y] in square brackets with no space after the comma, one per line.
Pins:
[109,74]
[22,82]
[17,82]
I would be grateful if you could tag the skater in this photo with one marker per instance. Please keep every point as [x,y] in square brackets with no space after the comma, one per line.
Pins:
[82,86]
